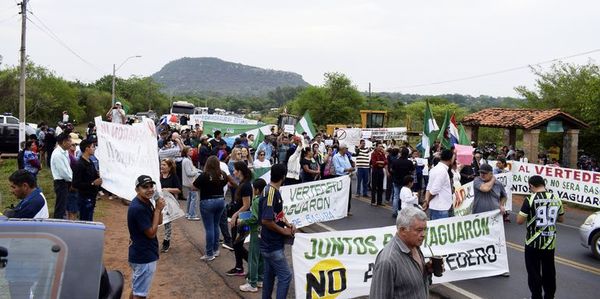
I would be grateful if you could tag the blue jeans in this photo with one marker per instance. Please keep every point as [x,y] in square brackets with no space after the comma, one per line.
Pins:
[211,211]
[362,179]
[436,214]
[86,208]
[396,198]
[276,266]
[191,203]
[142,278]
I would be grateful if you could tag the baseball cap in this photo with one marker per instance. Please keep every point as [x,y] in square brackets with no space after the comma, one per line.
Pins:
[118,103]
[144,179]
[485,168]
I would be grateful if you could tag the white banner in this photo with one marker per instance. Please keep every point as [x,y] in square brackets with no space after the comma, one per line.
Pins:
[397,134]
[199,118]
[319,201]
[464,196]
[340,263]
[172,210]
[570,185]
[125,152]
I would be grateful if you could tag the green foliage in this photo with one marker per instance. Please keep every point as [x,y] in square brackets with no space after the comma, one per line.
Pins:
[337,101]
[574,89]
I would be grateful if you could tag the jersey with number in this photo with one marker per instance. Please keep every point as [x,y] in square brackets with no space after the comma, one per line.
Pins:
[542,210]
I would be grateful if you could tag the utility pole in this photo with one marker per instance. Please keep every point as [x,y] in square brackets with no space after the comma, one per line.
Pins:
[22,76]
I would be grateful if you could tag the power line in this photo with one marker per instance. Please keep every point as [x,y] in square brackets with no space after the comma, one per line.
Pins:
[500,71]
[55,37]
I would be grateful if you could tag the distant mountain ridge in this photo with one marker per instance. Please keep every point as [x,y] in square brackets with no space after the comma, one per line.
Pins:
[209,75]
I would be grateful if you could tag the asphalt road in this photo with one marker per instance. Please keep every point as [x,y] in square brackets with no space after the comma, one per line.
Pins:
[578,273]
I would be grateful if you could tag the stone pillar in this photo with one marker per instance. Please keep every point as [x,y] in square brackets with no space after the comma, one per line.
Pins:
[570,148]
[506,137]
[531,140]
[512,137]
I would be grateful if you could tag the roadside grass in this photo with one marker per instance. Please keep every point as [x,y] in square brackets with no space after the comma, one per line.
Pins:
[45,182]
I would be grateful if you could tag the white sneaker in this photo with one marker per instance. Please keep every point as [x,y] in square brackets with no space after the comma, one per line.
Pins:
[207,258]
[217,253]
[248,288]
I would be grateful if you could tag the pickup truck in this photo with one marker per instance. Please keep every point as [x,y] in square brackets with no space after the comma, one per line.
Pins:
[9,133]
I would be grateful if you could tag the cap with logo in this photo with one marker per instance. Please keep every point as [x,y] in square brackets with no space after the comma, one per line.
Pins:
[144,179]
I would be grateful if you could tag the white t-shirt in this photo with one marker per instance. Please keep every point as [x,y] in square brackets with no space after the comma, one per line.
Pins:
[439,186]
[117,116]
[225,169]
[65,118]
[407,197]
[259,164]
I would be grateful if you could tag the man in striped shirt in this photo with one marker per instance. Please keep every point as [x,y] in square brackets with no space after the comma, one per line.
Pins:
[400,270]
[362,165]
[541,210]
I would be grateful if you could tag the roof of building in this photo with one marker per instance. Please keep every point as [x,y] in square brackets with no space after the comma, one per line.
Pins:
[520,118]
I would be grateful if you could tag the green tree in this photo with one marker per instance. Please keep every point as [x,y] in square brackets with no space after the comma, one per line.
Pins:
[574,89]
[337,101]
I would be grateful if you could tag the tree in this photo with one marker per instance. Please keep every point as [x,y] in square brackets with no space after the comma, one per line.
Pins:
[574,89]
[337,101]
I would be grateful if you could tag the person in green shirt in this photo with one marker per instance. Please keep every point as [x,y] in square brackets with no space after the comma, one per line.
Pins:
[255,260]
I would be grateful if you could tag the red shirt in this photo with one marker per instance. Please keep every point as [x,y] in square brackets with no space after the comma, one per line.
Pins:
[378,156]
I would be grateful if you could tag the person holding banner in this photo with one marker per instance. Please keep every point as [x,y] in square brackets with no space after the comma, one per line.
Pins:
[342,165]
[541,210]
[169,183]
[274,230]
[400,270]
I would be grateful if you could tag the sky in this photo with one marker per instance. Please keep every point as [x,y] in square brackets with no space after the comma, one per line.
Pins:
[397,46]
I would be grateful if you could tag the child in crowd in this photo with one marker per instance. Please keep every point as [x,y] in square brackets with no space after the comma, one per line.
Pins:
[255,261]
[407,197]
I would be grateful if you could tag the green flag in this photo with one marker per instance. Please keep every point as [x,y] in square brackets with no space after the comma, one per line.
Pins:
[306,125]
[462,135]
[442,135]
[228,129]
[258,139]
[430,129]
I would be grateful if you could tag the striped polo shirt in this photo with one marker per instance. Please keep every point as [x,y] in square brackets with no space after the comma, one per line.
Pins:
[363,157]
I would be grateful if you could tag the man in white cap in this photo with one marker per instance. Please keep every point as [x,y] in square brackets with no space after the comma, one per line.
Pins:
[116,114]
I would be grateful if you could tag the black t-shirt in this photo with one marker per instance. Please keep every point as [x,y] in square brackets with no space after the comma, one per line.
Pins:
[401,168]
[210,187]
[271,208]
[312,164]
[245,190]
[172,181]
[142,249]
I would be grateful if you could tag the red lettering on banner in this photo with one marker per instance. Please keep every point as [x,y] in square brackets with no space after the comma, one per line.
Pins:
[577,175]
[596,179]
[539,169]
[549,171]
[523,168]
[568,173]
[585,176]
[558,173]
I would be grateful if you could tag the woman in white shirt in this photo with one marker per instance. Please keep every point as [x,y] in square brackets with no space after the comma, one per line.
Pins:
[261,161]
[407,197]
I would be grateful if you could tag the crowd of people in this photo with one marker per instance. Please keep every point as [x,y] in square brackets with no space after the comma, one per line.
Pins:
[202,169]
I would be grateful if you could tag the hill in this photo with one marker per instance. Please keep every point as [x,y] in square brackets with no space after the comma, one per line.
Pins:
[207,75]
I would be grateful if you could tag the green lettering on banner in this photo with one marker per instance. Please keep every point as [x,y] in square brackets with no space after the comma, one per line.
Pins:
[485,228]
[452,233]
[324,253]
[460,235]
[309,256]
[468,230]
[442,232]
[387,238]
[347,240]
[370,242]
[433,237]
[477,227]
[337,246]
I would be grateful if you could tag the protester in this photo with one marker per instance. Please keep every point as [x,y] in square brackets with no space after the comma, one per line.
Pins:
[240,204]
[217,143]
[223,221]
[467,174]
[87,181]
[407,197]
[62,174]
[33,202]
[212,203]
[342,166]
[31,163]
[274,230]
[169,182]
[142,222]
[378,164]
[247,158]
[438,197]
[501,166]
[362,168]
[189,174]
[393,153]
[541,210]
[266,148]
[310,168]
[262,160]
[282,149]
[400,168]
[419,164]
[73,196]
[255,260]
[489,194]
[116,114]
[400,270]
[203,152]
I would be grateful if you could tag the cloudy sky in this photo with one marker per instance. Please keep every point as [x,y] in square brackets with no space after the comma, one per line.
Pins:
[402,46]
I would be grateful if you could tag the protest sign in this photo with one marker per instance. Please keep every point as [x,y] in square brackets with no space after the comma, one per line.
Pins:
[229,129]
[570,185]
[289,129]
[318,201]
[124,153]
[350,137]
[172,210]
[340,263]
[463,196]
[464,154]
[217,118]
[398,133]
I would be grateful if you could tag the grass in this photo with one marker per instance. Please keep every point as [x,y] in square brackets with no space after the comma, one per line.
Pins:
[45,182]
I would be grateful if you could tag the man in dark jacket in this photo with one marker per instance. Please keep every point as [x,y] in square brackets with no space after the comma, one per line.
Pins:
[87,181]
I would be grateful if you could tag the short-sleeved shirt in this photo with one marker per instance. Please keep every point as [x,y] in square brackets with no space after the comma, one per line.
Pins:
[245,191]
[487,201]
[312,164]
[142,249]
[271,208]
[172,181]
[542,210]
[211,187]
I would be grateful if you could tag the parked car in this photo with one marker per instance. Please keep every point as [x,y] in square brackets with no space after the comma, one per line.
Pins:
[9,133]
[589,232]
[49,258]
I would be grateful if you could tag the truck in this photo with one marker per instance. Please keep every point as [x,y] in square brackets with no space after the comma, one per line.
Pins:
[9,133]
[182,107]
